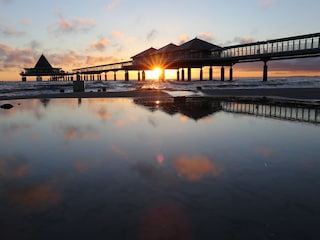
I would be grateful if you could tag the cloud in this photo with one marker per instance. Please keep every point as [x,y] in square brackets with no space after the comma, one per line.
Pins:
[117,34]
[113,4]
[99,45]
[14,58]
[268,3]
[27,21]
[183,38]
[206,36]
[7,31]
[74,25]
[152,34]
[240,40]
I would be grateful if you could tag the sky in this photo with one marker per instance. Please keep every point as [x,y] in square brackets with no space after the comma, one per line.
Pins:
[73,33]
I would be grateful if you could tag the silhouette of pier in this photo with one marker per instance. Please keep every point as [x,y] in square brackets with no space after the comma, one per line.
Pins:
[199,54]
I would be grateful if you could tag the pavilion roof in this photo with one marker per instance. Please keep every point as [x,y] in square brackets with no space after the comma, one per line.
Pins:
[43,63]
[197,44]
[145,53]
[168,48]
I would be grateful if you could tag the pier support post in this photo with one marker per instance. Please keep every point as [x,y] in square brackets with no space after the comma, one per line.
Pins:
[105,76]
[210,73]
[265,71]
[115,76]
[231,74]
[201,74]
[178,75]
[189,74]
[126,75]
[182,74]
[162,75]
[139,76]
[143,75]
[222,73]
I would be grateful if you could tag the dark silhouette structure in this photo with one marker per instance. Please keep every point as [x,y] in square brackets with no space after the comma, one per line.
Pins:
[43,68]
[198,54]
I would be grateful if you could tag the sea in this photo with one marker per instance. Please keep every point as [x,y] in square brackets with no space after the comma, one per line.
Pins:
[33,88]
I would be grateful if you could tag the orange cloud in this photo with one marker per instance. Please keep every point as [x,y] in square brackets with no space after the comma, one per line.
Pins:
[183,38]
[196,167]
[206,36]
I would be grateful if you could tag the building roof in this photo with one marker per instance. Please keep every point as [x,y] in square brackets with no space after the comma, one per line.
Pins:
[145,53]
[168,48]
[198,44]
[43,63]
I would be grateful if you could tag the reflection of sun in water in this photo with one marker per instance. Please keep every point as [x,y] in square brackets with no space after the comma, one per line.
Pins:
[156,73]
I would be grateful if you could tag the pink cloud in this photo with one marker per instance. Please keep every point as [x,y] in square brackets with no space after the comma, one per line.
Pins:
[268,3]
[14,58]
[8,31]
[73,25]
[113,4]
[100,45]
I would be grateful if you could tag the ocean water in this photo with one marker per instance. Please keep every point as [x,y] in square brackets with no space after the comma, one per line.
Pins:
[32,88]
[142,170]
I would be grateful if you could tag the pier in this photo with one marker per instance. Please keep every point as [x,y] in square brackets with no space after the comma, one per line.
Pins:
[199,54]
[194,54]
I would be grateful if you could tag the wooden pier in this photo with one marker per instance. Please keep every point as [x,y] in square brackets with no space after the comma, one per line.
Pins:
[198,54]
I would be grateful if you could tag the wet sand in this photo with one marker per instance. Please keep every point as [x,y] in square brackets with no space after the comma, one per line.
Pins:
[284,93]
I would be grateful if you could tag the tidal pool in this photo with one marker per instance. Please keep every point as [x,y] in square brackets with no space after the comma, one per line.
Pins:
[153,169]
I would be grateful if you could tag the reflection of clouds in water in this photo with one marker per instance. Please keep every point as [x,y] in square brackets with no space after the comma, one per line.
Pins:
[196,167]
[119,123]
[184,119]
[103,114]
[77,132]
[14,167]
[165,222]
[151,172]
[265,151]
[119,151]
[31,197]
[209,119]
[11,128]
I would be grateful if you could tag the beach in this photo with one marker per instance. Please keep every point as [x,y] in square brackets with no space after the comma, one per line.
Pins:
[305,94]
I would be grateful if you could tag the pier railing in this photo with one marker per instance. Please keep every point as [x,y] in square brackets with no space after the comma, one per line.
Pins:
[303,45]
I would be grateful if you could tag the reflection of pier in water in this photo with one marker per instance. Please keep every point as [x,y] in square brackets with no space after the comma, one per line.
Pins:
[299,113]
[197,108]
[194,108]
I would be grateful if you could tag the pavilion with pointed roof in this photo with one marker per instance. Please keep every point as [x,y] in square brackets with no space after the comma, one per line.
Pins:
[42,68]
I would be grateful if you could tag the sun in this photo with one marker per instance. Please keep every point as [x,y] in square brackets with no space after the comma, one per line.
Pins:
[156,73]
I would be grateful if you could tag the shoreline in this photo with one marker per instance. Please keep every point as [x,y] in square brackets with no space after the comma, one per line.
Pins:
[290,94]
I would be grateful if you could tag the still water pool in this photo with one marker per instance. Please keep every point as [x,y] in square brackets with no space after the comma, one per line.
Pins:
[144,169]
